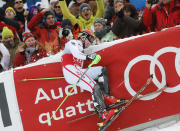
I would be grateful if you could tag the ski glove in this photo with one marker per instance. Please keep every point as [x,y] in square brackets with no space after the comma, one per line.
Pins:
[91,57]
[95,59]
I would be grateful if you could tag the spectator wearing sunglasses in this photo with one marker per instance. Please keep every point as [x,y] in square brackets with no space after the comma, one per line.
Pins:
[85,19]
[74,6]
[58,12]
[19,8]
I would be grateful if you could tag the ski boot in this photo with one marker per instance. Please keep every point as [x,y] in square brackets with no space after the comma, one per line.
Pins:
[112,102]
[106,115]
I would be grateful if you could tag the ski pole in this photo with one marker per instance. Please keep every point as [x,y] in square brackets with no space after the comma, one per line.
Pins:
[47,78]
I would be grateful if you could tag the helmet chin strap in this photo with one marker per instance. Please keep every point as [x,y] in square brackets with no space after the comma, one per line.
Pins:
[84,45]
[83,38]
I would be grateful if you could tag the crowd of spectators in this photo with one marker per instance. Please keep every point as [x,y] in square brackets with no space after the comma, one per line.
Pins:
[36,32]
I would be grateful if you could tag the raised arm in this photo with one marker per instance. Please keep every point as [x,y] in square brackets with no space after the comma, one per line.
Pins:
[35,20]
[100,9]
[66,12]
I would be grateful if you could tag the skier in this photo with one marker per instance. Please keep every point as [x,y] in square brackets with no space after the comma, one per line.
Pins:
[72,60]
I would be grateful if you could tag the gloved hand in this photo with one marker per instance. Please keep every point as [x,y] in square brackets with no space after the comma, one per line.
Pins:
[95,59]
[91,57]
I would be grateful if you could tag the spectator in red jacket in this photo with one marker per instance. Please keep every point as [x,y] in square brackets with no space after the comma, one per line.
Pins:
[46,32]
[163,15]
[29,51]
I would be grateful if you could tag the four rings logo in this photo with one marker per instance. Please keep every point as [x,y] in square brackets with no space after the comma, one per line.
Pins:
[154,61]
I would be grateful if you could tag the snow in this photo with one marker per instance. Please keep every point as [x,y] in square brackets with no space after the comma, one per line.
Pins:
[175,127]
[169,126]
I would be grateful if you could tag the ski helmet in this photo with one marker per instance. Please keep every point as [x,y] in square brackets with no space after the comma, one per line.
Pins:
[86,34]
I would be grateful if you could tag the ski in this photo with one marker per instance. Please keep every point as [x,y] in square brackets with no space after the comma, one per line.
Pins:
[154,92]
[110,106]
[119,110]
[115,105]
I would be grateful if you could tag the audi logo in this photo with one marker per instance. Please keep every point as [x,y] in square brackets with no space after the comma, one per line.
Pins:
[154,61]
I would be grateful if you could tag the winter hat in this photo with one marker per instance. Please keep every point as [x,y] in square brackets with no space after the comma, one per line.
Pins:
[84,5]
[10,8]
[31,9]
[27,35]
[6,33]
[66,23]
[48,13]
[101,21]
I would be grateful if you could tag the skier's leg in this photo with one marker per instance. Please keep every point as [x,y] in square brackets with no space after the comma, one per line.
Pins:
[102,75]
[101,107]
[104,81]
[99,98]
[94,72]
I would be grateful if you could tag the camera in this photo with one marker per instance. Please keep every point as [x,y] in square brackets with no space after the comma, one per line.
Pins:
[65,32]
[152,1]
